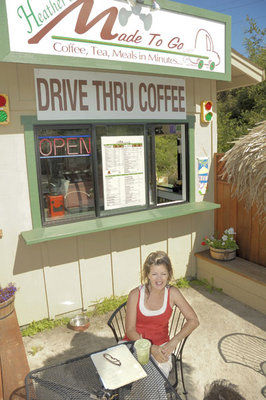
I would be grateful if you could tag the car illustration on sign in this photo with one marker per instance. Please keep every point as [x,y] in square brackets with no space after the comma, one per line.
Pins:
[203,53]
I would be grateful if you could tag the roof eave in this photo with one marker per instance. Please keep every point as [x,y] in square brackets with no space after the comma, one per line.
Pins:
[244,73]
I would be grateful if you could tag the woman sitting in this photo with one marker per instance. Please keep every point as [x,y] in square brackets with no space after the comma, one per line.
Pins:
[149,308]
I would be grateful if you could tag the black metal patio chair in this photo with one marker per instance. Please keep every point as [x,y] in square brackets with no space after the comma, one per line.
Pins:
[117,323]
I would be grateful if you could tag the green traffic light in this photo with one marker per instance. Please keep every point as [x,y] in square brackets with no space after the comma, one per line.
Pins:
[3,116]
[208,116]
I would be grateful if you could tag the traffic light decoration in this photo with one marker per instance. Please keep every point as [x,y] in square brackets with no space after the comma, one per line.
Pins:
[206,111]
[4,109]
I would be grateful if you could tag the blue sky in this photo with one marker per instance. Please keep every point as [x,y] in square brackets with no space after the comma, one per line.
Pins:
[238,9]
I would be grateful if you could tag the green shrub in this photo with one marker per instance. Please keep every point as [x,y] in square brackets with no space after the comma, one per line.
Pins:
[100,308]
[206,284]
[107,304]
[43,325]
[181,283]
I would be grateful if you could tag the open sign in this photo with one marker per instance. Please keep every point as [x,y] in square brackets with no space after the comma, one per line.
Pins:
[64,146]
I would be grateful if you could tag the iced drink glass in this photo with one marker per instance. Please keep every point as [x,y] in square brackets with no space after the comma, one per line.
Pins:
[142,347]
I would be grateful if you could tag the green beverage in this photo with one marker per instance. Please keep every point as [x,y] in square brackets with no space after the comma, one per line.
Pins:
[142,347]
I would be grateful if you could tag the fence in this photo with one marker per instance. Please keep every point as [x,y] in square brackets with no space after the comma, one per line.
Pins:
[250,237]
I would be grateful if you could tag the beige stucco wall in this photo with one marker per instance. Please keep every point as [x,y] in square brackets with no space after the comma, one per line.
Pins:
[65,275]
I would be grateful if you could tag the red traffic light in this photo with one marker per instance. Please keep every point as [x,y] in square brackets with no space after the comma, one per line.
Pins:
[208,105]
[206,113]
[2,100]
[4,109]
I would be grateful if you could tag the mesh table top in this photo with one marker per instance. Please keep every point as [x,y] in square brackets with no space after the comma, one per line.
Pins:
[78,379]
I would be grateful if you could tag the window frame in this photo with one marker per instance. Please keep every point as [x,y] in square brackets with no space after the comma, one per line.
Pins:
[151,160]
[122,122]
[30,122]
[38,167]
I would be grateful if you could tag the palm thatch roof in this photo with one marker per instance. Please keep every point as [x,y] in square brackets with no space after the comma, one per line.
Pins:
[245,168]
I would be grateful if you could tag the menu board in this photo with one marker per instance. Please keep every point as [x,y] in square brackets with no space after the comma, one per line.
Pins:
[123,171]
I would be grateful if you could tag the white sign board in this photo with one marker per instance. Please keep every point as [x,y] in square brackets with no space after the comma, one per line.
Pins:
[112,30]
[123,171]
[72,95]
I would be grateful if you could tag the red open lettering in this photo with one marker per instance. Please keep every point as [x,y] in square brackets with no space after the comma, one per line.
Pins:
[70,146]
[82,141]
[58,146]
[47,143]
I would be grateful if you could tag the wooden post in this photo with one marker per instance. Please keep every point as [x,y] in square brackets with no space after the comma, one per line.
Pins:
[13,360]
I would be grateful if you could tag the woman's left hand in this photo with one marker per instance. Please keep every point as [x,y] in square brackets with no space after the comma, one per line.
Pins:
[168,348]
[158,354]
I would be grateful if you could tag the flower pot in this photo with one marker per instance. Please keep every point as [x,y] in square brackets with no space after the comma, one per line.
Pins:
[7,307]
[222,254]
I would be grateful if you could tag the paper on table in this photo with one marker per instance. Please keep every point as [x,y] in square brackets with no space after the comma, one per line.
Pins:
[114,376]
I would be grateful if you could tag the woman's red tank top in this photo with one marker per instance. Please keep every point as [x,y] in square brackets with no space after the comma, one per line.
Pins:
[154,328]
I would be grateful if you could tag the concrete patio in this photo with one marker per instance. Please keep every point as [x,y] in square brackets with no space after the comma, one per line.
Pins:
[230,344]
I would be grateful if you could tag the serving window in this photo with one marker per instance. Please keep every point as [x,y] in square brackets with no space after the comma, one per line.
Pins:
[97,170]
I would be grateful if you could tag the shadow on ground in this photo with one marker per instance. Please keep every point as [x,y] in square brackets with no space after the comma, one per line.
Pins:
[82,343]
[243,349]
[256,318]
[190,387]
[246,350]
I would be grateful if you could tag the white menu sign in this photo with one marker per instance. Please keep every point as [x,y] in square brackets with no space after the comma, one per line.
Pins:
[123,171]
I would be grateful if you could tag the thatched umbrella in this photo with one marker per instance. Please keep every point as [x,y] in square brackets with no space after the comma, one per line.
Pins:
[245,168]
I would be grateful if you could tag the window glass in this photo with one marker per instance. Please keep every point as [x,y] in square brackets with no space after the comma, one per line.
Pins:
[168,169]
[65,174]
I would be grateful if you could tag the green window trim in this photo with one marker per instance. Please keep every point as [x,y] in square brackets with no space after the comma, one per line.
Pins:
[45,234]
[39,233]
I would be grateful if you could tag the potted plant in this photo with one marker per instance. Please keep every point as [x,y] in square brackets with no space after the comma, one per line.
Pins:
[7,297]
[223,248]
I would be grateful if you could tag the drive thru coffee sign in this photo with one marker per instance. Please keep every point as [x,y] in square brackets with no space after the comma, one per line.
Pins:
[72,95]
[113,30]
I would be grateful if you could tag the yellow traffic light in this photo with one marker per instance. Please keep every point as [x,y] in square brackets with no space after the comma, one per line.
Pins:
[206,111]
[4,109]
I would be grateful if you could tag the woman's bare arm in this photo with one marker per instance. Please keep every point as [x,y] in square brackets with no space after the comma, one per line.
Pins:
[191,323]
[131,315]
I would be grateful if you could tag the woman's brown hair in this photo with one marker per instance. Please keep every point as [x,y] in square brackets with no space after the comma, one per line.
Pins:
[157,258]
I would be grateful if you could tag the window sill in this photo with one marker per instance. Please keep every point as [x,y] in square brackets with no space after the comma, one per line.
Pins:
[39,235]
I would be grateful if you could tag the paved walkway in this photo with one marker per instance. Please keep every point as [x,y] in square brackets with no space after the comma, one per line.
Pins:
[230,344]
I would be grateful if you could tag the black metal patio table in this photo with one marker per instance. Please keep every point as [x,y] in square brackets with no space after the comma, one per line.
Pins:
[78,379]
